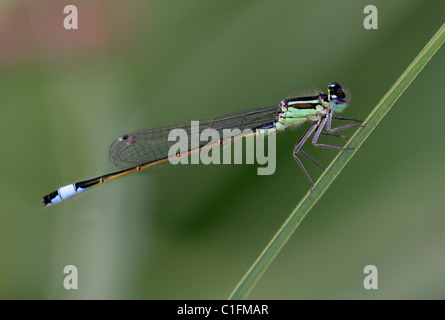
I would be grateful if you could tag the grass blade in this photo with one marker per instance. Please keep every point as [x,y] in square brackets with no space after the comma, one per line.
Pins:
[292,222]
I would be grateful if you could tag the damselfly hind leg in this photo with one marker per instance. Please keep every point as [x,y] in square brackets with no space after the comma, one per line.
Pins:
[297,150]
[313,160]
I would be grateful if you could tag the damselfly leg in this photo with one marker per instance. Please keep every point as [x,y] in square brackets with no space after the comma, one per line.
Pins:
[318,127]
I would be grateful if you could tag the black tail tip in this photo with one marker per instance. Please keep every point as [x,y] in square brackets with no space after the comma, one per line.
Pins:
[47,199]
[46,202]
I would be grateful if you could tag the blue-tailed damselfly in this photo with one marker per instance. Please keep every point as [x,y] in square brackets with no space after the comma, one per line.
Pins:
[150,148]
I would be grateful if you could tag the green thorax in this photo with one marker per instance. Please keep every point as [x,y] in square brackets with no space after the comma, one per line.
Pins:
[296,111]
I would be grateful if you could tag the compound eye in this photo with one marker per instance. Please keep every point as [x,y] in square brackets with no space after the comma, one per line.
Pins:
[335,86]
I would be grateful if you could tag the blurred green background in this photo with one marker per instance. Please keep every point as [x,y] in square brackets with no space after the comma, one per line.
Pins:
[193,233]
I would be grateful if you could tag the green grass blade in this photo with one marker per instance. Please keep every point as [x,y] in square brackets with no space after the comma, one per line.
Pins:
[283,234]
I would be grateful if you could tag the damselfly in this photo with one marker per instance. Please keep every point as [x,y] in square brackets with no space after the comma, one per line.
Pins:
[149,148]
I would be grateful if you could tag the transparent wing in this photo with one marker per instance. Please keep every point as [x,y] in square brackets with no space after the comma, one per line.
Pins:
[148,145]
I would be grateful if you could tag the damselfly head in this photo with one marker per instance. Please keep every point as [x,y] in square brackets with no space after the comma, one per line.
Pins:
[337,97]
